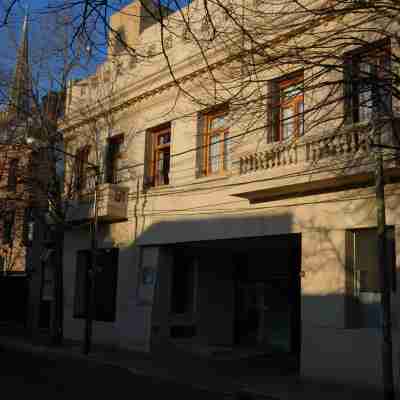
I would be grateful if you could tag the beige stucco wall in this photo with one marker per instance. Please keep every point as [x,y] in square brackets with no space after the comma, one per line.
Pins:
[329,350]
[207,208]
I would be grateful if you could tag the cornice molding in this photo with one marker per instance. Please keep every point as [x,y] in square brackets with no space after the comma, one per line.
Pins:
[192,75]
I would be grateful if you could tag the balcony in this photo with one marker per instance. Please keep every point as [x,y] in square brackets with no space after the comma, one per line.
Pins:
[316,164]
[112,204]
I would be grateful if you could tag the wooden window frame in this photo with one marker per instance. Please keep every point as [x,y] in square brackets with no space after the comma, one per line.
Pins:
[208,134]
[156,150]
[294,104]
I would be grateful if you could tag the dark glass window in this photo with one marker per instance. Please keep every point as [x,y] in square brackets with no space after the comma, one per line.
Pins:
[367,76]
[114,155]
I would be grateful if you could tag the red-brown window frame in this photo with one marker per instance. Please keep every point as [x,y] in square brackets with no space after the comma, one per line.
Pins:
[208,134]
[157,149]
[293,103]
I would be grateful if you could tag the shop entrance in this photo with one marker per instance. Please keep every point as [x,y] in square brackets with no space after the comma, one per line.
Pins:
[232,298]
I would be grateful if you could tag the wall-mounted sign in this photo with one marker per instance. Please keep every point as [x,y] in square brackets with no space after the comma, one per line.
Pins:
[148,276]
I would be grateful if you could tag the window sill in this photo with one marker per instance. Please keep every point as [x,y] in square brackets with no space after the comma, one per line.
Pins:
[155,189]
[198,180]
[213,177]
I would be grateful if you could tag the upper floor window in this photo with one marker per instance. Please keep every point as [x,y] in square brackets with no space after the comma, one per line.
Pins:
[8,227]
[12,175]
[119,40]
[367,83]
[114,156]
[215,141]
[158,154]
[81,168]
[286,107]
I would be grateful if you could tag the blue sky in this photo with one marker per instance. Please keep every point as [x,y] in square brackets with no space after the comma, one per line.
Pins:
[46,33]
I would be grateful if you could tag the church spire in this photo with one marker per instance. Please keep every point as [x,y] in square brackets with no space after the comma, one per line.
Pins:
[21,87]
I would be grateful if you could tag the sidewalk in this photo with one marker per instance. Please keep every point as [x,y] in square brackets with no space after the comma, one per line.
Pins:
[202,374]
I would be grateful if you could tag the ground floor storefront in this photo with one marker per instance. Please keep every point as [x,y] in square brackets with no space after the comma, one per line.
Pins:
[235,299]
[298,288]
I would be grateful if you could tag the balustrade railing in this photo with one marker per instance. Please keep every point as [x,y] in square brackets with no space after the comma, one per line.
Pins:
[308,150]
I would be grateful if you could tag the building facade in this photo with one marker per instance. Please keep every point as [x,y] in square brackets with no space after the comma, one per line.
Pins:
[231,224]
[26,171]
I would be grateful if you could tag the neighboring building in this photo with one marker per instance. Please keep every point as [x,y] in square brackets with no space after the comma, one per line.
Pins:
[214,241]
[26,291]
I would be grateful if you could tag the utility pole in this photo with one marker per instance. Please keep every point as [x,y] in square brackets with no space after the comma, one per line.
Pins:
[57,324]
[387,358]
[91,275]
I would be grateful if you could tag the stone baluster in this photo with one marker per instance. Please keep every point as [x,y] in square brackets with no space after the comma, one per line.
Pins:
[287,155]
[308,153]
[329,147]
[281,156]
[248,163]
[352,142]
[243,165]
[316,150]
[261,163]
[348,142]
[255,162]
[342,142]
[293,155]
[364,142]
[261,157]
[334,145]
[267,156]
[319,150]
[272,158]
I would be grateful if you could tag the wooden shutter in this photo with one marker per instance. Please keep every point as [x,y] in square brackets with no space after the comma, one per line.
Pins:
[106,285]
[348,104]
[81,283]
[148,180]
[200,142]
[273,110]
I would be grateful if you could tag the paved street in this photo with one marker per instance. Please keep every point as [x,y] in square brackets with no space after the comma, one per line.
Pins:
[42,377]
